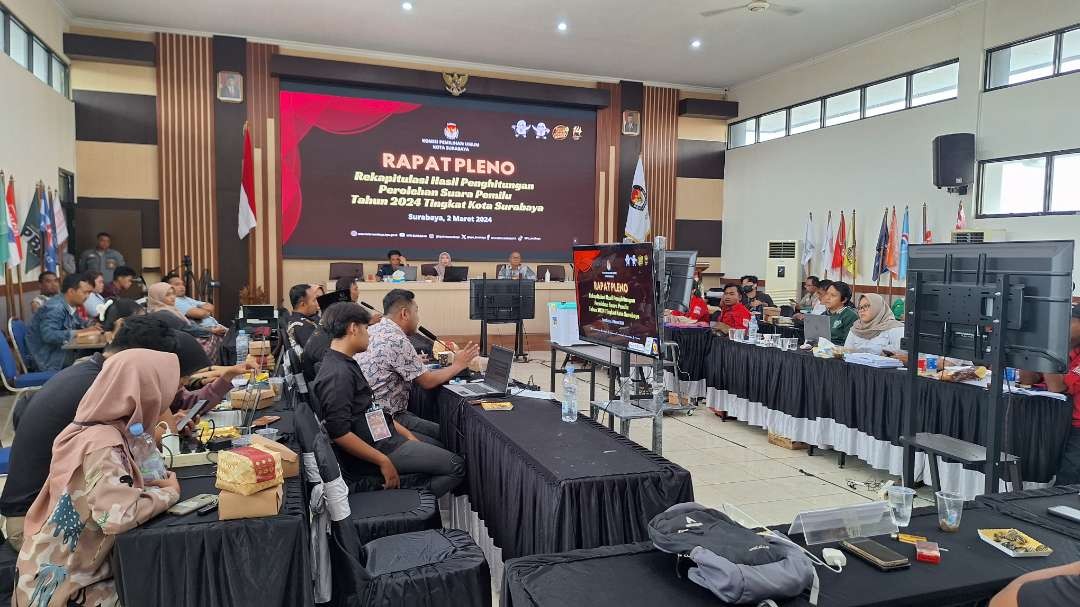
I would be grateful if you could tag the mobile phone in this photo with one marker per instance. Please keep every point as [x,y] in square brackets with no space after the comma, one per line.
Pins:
[876,554]
[194,503]
[190,415]
[1065,512]
[207,509]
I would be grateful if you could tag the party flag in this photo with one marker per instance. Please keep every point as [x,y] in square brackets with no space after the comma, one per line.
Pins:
[904,242]
[880,249]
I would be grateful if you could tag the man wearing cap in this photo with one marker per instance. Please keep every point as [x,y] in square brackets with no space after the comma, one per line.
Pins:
[1066,383]
[54,408]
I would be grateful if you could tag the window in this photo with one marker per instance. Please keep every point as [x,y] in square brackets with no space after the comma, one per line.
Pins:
[59,76]
[1012,187]
[19,40]
[1070,51]
[743,133]
[886,97]
[842,108]
[772,126]
[806,117]
[41,61]
[1065,189]
[936,84]
[1034,58]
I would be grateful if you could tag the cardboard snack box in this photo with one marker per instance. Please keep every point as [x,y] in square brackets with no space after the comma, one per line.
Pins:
[263,503]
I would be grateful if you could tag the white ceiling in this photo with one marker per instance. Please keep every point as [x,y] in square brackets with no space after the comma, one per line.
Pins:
[630,39]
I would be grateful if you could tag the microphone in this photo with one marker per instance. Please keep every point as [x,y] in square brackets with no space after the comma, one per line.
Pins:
[420,329]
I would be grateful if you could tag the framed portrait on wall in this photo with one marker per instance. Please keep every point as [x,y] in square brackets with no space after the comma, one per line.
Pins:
[230,87]
[631,123]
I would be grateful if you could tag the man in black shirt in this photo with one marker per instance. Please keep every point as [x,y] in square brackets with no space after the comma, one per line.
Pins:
[1052,587]
[367,440]
[752,296]
[53,407]
[304,317]
[318,344]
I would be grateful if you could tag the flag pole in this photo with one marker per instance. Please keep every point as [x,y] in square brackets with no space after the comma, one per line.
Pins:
[923,239]
[18,266]
[843,247]
[854,252]
[7,271]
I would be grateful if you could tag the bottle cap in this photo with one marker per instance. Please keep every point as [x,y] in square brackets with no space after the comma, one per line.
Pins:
[570,368]
[136,429]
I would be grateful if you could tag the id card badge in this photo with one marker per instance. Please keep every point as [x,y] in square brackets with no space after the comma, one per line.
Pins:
[376,423]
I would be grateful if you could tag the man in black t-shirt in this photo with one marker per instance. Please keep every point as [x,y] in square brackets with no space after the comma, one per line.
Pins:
[1053,587]
[304,318]
[367,440]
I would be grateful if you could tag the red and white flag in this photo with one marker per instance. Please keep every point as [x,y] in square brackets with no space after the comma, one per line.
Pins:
[246,218]
[961,220]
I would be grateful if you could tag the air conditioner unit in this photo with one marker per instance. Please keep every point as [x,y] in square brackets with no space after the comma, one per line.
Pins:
[783,270]
[977,236]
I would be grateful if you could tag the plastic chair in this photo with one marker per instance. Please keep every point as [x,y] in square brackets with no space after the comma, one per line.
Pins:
[17,331]
[13,380]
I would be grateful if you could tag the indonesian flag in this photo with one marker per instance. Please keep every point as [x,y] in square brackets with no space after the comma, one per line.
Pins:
[246,218]
[15,254]
[839,245]
[961,220]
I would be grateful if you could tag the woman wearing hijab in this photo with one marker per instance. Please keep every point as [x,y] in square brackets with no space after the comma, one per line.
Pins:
[876,329]
[94,490]
[440,268]
[161,302]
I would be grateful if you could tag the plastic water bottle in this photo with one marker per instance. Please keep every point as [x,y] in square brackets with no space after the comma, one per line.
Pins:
[241,347]
[547,275]
[147,457]
[752,333]
[569,399]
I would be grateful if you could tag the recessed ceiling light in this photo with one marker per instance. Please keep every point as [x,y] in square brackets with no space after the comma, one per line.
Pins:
[695,44]
[406,6]
[562,26]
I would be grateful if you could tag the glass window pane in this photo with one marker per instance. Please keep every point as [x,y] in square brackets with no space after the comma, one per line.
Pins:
[742,133]
[1022,62]
[1065,190]
[935,85]
[59,76]
[1013,186]
[18,42]
[772,126]
[1070,51]
[842,108]
[41,61]
[886,97]
[3,31]
[806,117]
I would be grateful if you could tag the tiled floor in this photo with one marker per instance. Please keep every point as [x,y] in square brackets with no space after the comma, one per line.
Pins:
[733,463]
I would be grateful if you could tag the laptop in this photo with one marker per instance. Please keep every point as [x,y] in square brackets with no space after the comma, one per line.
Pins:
[815,326]
[456,274]
[496,380]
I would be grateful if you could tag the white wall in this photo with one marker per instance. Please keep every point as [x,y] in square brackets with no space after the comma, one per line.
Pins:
[886,160]
[37,124]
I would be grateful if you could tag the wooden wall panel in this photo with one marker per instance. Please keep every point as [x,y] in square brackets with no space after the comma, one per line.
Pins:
[608,123]
[262,95]
[659,143]
[185,84]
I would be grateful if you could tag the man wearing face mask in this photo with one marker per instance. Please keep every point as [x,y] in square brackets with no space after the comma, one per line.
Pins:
[752,296]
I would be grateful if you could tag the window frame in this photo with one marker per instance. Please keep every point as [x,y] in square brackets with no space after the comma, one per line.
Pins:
[1048,183]
[1058,36]
[6,19]
[822,100]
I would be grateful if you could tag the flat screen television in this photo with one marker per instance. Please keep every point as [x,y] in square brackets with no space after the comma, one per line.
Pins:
[502,299]
[616,296]
[679,268]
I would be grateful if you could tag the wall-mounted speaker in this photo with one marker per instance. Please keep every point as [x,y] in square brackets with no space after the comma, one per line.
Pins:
[954,161]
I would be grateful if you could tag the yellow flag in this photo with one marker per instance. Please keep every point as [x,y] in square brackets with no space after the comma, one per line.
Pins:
[850,264]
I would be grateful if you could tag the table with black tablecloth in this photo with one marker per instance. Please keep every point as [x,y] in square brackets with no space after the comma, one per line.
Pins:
[859,409]
[543,485]
[200,561]
[637,574]
[1030,507]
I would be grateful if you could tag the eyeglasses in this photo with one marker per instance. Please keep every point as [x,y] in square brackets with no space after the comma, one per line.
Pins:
[863,307]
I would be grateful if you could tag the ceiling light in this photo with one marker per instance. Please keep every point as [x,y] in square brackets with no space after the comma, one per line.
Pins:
[562,26]
[695,44]
[406,6]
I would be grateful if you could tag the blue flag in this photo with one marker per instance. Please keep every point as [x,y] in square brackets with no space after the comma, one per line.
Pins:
[48,233]
[880,258]
[31,233]
[905,236]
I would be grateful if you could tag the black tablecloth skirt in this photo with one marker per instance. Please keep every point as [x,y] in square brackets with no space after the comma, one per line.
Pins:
[378,514]
[874,401]
[542,485]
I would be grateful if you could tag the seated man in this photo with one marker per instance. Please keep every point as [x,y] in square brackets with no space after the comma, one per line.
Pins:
[810,296]
[123,278]
[367,440]
[516,269]
[1050,587]
[347,283]
[396,261]
[53,408]
[752,296]
[733,315]
[305,315]
[697,311]
[48,285]
[199,312]
[58,322]
[837,299]
[391,363]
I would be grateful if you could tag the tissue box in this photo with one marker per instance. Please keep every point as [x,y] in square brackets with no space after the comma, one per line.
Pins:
[263,503]
[259,348]
[290,461]
[248,470]
[242,399]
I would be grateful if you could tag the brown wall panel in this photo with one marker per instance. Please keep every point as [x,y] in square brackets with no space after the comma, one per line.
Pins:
[262,92]
[659,140]
[117,170]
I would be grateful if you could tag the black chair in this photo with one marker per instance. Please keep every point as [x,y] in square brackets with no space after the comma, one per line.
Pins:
[499,268]
[346,269]
[558,272]
[428,269]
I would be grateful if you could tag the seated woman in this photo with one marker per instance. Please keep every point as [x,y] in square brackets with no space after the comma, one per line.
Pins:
[698,311]
[440,268]
[95,299]
[818,307]
[876,330]
[161,302]
[114,311]
[94,491]
[350,284]
[836,299]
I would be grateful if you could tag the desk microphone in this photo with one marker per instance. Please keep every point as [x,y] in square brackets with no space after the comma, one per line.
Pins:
[421,329]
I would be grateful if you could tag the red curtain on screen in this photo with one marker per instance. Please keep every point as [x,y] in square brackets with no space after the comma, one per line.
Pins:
[301,112]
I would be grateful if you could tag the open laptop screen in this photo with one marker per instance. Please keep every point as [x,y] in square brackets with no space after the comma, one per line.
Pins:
[498,369]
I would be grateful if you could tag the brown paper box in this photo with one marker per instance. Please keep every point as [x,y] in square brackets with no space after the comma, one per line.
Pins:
[259,348]
[264,503]
[290,461]
[242,399]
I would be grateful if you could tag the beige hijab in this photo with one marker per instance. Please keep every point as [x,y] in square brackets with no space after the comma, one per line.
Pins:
[155,300]
[134,386]
[882,318]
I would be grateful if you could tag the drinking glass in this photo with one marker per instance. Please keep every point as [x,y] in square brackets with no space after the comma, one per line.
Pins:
[900,501]
[950,507]
[738,334]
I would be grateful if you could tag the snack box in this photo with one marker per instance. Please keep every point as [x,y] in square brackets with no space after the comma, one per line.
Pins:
[1015,543]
